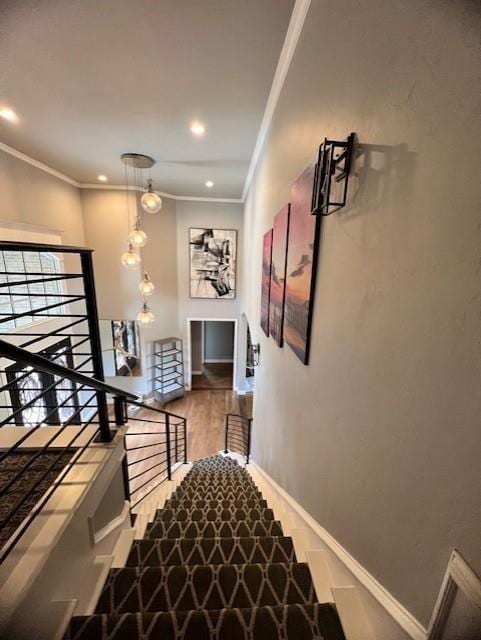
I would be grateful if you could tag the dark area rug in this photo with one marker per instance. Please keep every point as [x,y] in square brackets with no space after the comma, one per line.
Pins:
[26,484]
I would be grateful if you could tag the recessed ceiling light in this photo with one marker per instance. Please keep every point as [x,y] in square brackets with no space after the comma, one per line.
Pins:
[197,128]
[8,114]
[209,184]
[102,178]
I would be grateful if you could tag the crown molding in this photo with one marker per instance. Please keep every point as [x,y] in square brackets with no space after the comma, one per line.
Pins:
[163,194]
[116,187]
[36,163]
[294,30]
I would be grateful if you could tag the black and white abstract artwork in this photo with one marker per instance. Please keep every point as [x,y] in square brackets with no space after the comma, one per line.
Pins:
[213,263]
[126,347]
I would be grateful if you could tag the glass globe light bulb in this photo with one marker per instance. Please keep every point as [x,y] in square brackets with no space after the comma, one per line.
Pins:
[145,316]
[131,258]
[146,286]
[150,201]
[138,237]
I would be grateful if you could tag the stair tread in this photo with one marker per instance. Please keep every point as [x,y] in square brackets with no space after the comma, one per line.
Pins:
[183,551]
[206,587]
[203,503]
[213,493]
[291,622]
[214,529]
[220,513]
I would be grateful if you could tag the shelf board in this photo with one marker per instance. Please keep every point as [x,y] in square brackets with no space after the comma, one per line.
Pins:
[170,364]
[169,376]
[172,387]
[168,352]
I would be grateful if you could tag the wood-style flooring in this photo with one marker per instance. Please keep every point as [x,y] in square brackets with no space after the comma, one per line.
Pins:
[204,410]
[216,375]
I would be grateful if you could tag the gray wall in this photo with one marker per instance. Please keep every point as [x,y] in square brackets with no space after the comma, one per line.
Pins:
[196,345]
[31,196]
[106,230]
[222,215]
[218,341]
[379,438]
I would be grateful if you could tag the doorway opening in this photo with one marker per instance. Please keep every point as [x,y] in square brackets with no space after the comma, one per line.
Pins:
[212,354]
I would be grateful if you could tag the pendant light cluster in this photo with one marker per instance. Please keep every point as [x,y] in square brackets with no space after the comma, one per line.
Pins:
[150,202]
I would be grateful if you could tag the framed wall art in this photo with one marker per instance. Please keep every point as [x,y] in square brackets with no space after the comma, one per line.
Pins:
[213,254]
[278,274]
[302,252]
[266,280]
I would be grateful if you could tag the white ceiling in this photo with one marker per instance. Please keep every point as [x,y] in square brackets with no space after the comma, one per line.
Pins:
[91,79]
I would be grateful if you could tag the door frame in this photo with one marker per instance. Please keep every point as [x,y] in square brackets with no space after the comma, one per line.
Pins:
[188,360]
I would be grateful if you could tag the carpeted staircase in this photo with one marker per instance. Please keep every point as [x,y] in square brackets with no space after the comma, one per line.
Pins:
[214,564]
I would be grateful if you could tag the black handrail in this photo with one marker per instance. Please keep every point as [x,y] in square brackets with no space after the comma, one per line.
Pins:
[36,361]
[38,391]
[238,430]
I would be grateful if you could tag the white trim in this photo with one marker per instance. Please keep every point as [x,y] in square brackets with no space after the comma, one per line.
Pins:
[396,610]
[458,576]
[294,30]
[99,535]
[196,373]
[26,227]
[39,165]
[218,361]
[163,194]
[115,187]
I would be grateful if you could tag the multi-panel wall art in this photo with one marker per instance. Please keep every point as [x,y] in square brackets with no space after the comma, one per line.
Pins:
[278,274]
[320,190]
[213,263]
[266,280]
[301,265]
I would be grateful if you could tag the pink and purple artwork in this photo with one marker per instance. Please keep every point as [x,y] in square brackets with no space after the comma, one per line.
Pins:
[266,280]
[278,274]
[301,266]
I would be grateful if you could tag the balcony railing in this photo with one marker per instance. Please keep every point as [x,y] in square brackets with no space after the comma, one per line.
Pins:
[53,398]
[238,434]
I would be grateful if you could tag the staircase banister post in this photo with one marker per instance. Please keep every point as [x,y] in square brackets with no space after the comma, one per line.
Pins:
[185,440]
[249,429]
[94,333]
[167,442]
[226,429]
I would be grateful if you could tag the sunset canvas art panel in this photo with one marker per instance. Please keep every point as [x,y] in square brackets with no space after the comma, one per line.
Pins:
[266,280]
[301,266]
[278,274]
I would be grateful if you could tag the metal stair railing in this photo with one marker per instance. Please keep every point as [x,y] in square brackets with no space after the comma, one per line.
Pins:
[238,430]
[51,379]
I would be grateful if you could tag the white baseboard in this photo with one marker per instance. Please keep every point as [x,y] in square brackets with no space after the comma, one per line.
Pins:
[197,373]
[388,602]
[219,360]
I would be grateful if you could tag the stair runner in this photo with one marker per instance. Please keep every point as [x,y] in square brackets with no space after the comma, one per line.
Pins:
[213,565]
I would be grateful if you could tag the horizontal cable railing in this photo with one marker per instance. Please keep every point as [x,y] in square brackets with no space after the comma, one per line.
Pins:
[238,434]
[53,398]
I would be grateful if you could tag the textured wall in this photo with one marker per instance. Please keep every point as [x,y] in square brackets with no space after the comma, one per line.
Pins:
[378,438]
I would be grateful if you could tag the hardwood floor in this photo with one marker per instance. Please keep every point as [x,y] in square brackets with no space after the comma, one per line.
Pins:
[204,410]
[216,375]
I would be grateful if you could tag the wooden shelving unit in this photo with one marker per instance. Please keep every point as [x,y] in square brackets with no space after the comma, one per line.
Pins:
[168,370]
